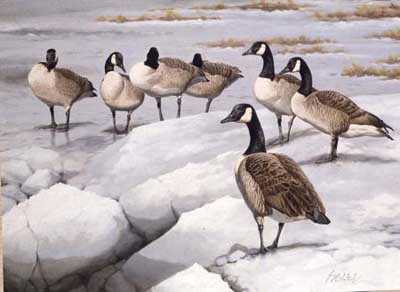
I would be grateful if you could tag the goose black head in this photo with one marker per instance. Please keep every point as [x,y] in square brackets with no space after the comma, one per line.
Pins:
[197,60]
[257,48]
[152,58]
[241,113]
[294,65]
[115,59]
[51,59]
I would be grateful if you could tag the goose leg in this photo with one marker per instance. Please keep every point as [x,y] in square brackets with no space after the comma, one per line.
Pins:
[208,105]
[128,120]
[279,119]
[114,121]
[333,155]
[274,245]
[53,124]
[67,116]
[158,99]
[290,124]
[179,102]
[260,224]
[334,144]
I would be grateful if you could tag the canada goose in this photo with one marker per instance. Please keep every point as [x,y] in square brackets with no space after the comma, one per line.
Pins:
[331,112]
[272,184]
[220,76]
[165,77]
[274,91]
[58,86]
[117,90]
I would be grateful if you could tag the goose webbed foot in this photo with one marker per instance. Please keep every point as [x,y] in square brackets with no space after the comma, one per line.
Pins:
[51,126]
[328,159]
[272,247]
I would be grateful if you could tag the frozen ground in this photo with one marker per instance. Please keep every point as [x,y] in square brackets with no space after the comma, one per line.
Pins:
[163,170]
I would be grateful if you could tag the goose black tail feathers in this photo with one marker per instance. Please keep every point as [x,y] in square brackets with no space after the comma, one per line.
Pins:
[318,217]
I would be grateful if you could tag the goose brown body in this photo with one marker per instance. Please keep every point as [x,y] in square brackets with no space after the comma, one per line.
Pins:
[59,86]
[274,185]
[220,76]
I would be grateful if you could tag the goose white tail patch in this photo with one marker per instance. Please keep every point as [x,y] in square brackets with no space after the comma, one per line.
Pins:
[246,117]
[283,218]
[362,130]
[297,66]
[261,50]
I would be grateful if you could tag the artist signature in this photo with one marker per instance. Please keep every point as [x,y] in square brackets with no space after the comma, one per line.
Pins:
[342,277]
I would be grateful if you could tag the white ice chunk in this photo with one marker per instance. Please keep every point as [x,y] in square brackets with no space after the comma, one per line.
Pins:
[41,179]
[195,278]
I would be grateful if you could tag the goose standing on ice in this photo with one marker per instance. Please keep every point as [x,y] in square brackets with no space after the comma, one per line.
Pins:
[274,91]
[165,77]
[117,90]
[332,112]
[272,184]
[220,76]
[58,86]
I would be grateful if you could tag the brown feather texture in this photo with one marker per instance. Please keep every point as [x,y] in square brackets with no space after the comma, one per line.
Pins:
[283,185]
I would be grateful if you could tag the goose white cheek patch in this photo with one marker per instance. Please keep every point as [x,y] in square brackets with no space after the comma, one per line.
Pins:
[246,117]
[261,50]
[297,67]
[113,60]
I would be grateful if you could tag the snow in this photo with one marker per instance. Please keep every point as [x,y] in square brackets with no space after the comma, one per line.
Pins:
[179,170]
[41,179]
[7,204]
[53,224]
[117,282]
[13,192]
[15,171]
[195,278]
[199,237]
[41,158]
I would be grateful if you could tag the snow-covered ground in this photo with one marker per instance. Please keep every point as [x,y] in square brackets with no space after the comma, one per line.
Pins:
[169,186]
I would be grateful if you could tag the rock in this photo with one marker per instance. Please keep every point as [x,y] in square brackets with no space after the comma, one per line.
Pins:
[15,171]
[13,192]
[200,236]
[195,278]
[41,158]
[19,249]
[53,225]
[41,179]
[148,209]
[7,204]
[98,280]
[118,283]
[221,261]
[236,255]
[79,289]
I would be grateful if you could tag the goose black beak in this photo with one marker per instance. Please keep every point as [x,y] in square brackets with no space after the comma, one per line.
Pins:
[122,68]
[284,71]
[248,52]
[228,119]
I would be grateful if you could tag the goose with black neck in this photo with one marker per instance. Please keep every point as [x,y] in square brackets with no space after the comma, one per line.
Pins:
[118,92]
[220,76]
[274,91]
[58,86]
[163,77]
[332,112]
[272,185]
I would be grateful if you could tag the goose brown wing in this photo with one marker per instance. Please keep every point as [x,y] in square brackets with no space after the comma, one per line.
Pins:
[283,184]
[221,69]
[70,83]
[339,102]
[177,64]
